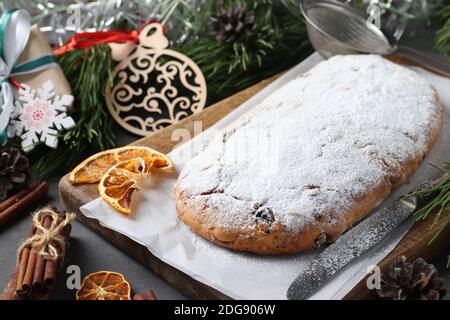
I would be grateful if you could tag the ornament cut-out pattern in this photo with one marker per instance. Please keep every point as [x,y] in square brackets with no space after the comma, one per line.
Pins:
[39,115]
[154,87]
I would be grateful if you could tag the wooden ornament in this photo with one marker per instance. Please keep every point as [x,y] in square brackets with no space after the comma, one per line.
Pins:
[154,87]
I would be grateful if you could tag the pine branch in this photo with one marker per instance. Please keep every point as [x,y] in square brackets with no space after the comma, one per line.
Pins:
[277,41]
[442,42]
[439,205]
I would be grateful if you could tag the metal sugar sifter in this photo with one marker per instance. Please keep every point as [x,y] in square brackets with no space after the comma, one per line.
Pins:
[336,28]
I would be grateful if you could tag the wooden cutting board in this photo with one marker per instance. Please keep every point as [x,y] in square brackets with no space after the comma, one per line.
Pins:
[413,245]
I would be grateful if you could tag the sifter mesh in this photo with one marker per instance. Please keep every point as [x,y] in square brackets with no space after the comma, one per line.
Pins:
[346,26]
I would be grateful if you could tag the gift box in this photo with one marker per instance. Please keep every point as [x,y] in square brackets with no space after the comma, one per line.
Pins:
[35,94]
[38,46]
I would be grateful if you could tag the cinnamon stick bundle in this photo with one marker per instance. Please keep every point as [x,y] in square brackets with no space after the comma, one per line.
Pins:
[18,203]
[37,266]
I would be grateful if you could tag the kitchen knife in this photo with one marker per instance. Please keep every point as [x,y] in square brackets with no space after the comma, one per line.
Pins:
[356,242]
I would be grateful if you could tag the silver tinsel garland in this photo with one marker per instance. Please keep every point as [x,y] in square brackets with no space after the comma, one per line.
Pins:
[60,19]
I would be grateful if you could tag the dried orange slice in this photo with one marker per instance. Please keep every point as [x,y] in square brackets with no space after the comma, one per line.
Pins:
[118,183]
[93,168]
[104,285]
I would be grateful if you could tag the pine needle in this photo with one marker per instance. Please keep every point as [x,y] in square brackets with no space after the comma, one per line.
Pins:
[277,41]
[438,203]
[442,42]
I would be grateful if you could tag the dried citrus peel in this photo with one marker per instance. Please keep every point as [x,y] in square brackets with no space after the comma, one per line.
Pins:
[93,168]
[104,285]
[120,182]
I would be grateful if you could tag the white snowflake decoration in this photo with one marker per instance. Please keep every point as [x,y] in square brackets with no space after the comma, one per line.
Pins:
[39,115]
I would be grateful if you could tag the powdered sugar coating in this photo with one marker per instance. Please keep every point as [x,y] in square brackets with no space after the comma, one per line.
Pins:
[315,145]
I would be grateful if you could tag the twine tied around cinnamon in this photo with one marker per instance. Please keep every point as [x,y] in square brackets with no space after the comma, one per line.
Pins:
[44,241]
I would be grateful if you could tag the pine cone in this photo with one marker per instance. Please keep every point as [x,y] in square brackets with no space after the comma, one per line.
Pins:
[13,170]
[411,281]
[228,26]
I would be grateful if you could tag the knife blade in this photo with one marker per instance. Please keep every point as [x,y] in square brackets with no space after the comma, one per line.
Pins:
[355,242]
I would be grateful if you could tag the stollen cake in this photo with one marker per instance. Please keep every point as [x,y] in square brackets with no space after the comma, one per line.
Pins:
[312,159]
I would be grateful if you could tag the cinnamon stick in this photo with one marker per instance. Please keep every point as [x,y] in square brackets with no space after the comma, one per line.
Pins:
[23,264]
[52,267]
[25,287]
[39,270]
[19,202]
[14,198]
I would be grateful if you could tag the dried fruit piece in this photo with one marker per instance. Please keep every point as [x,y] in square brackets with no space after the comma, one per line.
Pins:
[120,181]
[93,168]
[104,285]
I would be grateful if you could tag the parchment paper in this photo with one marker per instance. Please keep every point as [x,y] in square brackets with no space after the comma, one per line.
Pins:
[238,275]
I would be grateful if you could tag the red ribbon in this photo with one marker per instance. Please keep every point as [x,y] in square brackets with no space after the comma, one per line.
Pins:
[16,84]
[88,39]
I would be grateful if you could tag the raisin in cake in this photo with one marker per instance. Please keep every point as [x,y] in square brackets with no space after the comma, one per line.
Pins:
[311,160]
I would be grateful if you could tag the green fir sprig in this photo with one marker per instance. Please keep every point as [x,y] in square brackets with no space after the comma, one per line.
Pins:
[88,72]
[439,205]
[277,41]
[442,41]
